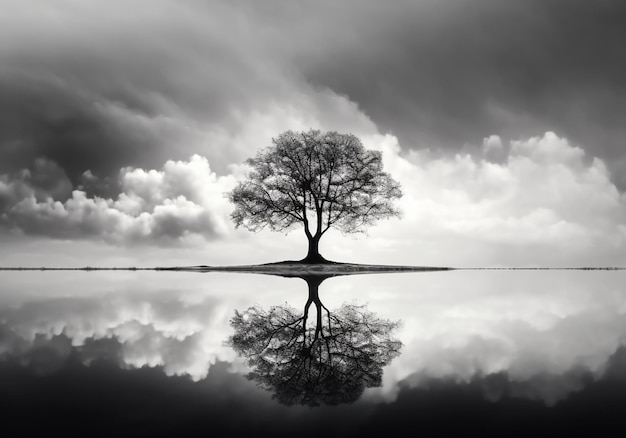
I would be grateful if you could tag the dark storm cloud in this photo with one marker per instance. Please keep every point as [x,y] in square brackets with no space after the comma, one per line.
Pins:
[77,127]
[442,74]
[96,88]
[40,117]
[43,179]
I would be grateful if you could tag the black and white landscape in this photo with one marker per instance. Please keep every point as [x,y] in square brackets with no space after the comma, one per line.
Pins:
[197,136]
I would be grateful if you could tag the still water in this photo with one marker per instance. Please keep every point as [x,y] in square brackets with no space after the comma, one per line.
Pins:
[165,353]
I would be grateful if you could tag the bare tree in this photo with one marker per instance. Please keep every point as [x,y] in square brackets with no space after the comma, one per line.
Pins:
[329,362]
[319,180]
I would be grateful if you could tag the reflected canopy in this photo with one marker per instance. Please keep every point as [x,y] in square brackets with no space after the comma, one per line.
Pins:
[328,362]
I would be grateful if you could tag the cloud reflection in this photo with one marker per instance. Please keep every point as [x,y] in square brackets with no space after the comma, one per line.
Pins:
[137,329]
[535,336]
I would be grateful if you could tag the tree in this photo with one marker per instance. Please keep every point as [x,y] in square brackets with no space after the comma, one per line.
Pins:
[319,180]
[330,362]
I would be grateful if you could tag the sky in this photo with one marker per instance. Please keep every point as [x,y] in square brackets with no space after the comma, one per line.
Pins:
[122,128]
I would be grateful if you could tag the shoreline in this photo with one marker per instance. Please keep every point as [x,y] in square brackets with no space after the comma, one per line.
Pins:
[296,268]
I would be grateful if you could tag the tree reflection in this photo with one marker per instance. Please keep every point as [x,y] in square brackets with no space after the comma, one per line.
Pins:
[329,362]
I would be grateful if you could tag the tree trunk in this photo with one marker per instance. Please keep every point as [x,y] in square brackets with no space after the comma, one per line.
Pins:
[314,256]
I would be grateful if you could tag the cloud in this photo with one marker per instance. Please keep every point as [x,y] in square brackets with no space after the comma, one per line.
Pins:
[124,89]
[540,202]
[45,179]
[544,203]
[94,89]
[182,200]
[120,96]
[441,75]
[492,143]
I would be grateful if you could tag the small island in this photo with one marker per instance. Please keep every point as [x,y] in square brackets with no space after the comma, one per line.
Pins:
[299,269]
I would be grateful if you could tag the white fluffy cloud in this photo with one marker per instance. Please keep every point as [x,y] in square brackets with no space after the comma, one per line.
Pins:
[544,203]
[182,200]
[541,202]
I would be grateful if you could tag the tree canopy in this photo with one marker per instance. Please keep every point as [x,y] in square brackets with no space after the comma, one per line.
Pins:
[316,180]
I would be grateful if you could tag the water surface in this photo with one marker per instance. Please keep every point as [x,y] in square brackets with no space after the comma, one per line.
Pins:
[152,353]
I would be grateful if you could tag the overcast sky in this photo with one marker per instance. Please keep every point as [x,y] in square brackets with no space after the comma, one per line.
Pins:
[121,128]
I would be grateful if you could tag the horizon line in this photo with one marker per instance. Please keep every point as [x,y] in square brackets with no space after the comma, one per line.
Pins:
[235,267]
